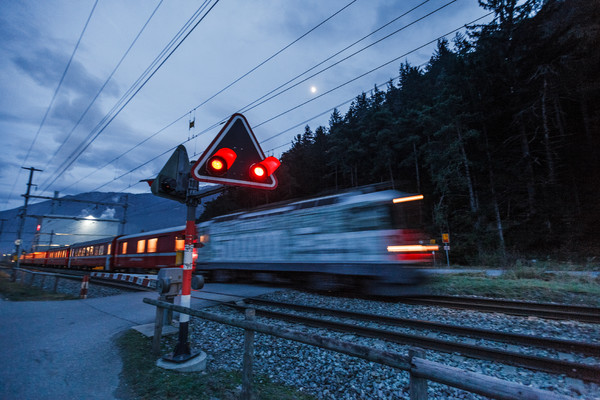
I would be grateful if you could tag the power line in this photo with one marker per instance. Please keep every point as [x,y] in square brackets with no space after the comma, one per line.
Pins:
[219,92]
[97,129]
[247,108]
[105,83]
[368,72]
[306,102]
[274,55]
[347,57]
[82,148]
[62,78]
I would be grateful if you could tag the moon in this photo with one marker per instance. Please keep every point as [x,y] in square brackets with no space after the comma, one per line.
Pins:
[313,89]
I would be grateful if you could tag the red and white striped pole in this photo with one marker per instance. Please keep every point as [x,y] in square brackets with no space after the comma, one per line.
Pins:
[182,349]
[84,287]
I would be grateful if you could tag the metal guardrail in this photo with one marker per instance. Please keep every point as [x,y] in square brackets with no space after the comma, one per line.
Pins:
[420,369]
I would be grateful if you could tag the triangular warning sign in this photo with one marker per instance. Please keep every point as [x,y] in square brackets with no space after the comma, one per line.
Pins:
[238,136]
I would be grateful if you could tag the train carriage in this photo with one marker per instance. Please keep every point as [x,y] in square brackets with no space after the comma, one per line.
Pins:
[149,250]
[35,258]
[361,238]
[94,254]
[58,257]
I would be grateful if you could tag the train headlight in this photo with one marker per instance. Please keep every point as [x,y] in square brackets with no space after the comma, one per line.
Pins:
[412,248]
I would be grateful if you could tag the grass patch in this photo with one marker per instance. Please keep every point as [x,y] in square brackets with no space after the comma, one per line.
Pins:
[15,291]
[144,380]
[522,284]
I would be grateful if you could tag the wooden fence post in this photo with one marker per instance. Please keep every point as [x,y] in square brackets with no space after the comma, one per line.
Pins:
[417,385]
[158,324]
[247,393]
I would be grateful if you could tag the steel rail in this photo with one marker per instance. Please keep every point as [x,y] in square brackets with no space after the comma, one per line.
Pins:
[571,369]
[517,303]
[543,310]
[488,334]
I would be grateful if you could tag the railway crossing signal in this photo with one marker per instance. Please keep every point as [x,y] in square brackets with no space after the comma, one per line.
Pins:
[173,179]
[235,158]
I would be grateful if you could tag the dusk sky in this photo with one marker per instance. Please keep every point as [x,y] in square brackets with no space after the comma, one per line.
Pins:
[70,104]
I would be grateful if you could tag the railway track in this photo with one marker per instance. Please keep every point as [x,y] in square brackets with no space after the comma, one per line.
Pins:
[512,307]
[583,371]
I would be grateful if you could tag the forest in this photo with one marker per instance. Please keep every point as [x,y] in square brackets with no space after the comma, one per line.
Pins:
[499,131]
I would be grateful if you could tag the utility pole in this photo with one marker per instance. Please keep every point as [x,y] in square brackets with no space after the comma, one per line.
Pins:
[19,240]
[124,219]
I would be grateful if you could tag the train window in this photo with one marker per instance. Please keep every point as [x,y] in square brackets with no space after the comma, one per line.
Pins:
[152,245]
[108,249]
[367,218]
[179,244]
[407,215]
[141,246]
[124,248]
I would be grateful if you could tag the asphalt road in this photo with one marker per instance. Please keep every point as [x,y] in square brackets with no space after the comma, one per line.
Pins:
[65,349]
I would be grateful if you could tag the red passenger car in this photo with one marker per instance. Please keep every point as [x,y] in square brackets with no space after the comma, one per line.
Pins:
[58,257]
[150,250]
[35,258]
[95,254]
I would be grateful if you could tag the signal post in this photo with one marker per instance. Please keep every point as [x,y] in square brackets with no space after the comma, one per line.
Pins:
[235,158]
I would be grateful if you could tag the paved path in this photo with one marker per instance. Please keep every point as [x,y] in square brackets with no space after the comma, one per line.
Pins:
[62,350]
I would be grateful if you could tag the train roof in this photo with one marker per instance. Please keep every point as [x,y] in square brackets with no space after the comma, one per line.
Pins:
[91,242]
[348,197]
[156,232]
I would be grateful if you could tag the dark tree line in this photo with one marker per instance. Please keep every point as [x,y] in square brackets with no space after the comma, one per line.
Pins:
[500,132]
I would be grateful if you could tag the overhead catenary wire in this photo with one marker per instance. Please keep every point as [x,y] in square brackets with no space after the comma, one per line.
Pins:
[271,57]
[352,55]
[275,54]
[252,105]
[127,96]
[395,59]
[66,139]
[62,78]
[103,125]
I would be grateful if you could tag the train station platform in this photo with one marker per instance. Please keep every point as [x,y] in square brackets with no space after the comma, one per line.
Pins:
[66,349]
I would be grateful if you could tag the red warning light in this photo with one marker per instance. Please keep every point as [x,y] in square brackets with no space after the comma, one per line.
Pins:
[221,161]
[262,170]
[38,227]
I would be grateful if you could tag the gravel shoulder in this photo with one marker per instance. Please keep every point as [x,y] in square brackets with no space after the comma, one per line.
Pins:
[329,375]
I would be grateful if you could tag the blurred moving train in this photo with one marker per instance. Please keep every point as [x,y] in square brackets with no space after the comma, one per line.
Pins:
[368,239]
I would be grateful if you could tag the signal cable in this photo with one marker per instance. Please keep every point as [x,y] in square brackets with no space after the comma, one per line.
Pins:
[105,125]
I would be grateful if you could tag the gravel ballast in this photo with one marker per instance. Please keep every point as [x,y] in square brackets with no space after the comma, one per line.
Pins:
[330,375]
